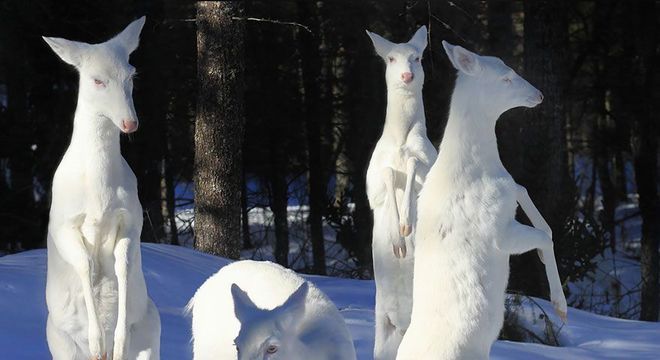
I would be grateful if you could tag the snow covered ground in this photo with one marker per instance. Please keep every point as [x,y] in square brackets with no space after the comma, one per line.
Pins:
[173,274]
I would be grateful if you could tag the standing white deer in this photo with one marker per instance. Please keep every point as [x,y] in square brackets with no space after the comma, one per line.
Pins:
[96,293]
[467,229]
[396,173]
[252,310]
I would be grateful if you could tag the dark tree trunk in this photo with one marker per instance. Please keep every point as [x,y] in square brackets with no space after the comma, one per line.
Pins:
[245,216]
[169,199]
[604,137]
[311,76]
[219,127]
[144,149]
[544,169]
[644,144]
[279,200]
[500,30]
[19,209]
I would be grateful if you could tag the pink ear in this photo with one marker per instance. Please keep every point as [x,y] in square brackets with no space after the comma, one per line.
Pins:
[466,61]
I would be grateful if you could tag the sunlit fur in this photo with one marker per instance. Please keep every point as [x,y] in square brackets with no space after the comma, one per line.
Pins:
[396,172]
[253,305]
[466,228]
[96,294]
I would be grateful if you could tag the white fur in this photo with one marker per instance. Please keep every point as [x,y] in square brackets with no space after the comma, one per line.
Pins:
[467,228]
[259,305]
[398,167]
[96,294]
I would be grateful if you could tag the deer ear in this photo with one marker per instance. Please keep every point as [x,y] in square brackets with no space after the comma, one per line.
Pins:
[129,38]
[244,308]
[382,45]
[295,304]
[463,60]
[69,51]
[419,40]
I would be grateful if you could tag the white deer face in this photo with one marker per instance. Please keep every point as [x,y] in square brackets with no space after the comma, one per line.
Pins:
[106,77]
[404,70]
[496,87]
[270,334]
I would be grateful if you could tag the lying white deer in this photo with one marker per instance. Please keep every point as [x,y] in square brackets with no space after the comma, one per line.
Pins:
[398,167]
[96,294]
[252,310]
[467,228]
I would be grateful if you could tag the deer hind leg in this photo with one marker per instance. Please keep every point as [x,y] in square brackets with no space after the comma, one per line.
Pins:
[145,336]
[387,337]
[391,214]
[60,344]
[68,240]
[409,197]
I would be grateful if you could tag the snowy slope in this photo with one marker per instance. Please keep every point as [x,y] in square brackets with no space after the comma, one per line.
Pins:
[173,274]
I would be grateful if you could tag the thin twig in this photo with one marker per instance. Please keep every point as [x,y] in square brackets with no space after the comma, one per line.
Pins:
[275,22]
[449,28]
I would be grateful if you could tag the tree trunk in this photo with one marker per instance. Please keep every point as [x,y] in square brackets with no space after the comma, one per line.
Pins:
[219,127]
[245,216]
[604,132]
[311,74]
[279,199]
[24,220]
[644,144]
[500,30]
[544,169]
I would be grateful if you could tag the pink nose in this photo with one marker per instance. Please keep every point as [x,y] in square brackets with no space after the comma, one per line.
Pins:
[407,77]
[129,126]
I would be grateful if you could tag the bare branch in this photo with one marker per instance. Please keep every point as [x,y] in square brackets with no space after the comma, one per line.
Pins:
[275,22]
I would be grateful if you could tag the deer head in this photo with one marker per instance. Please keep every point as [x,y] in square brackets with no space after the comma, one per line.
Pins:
[106,77]
[492,86]
[404,70]
[270,334]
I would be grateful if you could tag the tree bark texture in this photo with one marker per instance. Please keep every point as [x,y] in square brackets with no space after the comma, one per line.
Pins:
[644,145]
[543,162]
[219,127]
[311,76]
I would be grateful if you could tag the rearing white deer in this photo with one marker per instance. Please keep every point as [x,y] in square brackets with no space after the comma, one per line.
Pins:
[466,228]
[398,167]
[96,294]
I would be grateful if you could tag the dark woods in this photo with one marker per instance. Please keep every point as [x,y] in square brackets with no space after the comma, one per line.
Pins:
[314,101]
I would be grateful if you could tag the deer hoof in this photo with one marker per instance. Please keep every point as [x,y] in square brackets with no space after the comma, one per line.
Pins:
[405,230]
[561,309]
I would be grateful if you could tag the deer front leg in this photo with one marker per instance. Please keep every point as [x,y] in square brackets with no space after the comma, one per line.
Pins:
[547,256]
[123,263]
[68,240]
[391,215]
[407,220]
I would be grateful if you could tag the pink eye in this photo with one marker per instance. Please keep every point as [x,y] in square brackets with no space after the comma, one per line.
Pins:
[391,59]
[99,83]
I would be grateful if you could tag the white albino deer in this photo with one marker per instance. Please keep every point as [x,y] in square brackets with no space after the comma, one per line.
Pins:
[96,294]
[252,310]
[398,166]
[466,229]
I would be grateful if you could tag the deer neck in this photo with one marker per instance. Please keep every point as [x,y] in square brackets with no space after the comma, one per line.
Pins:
[95,141]
[470,132]
[403,111]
